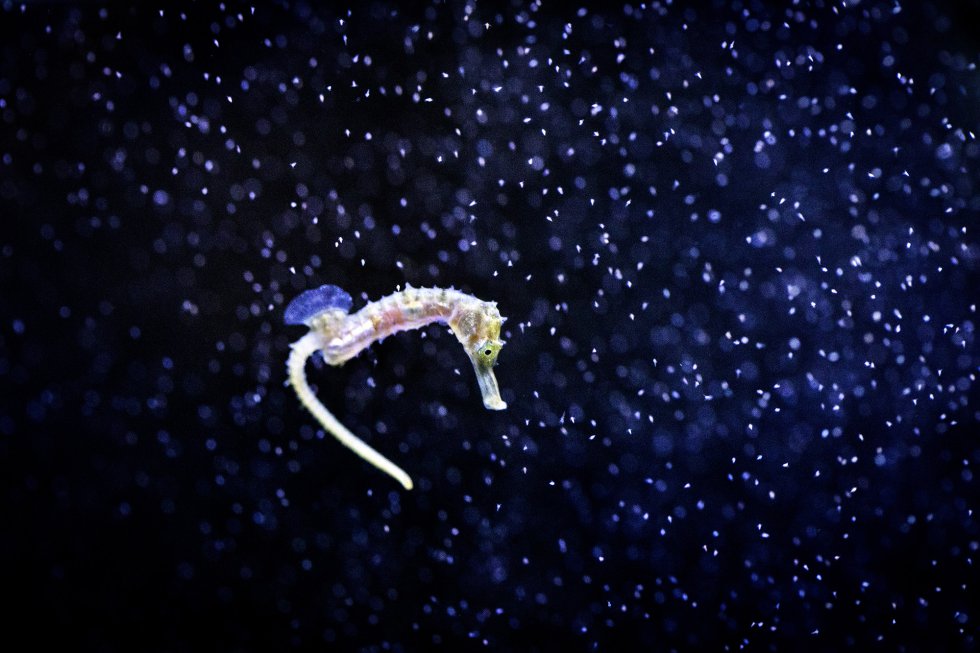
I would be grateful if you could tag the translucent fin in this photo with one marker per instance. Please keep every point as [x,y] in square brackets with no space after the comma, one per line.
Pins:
[311,303]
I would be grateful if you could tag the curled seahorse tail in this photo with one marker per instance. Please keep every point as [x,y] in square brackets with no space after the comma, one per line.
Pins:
[302,349]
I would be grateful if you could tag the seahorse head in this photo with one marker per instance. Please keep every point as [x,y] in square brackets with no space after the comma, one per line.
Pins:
[477,327]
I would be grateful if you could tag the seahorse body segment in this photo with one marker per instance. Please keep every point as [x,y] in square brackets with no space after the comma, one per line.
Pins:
[340,335]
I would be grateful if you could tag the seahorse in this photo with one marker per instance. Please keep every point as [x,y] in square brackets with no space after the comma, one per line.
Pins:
[340,335]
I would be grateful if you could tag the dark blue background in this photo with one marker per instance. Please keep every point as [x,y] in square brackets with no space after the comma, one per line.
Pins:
[735,244]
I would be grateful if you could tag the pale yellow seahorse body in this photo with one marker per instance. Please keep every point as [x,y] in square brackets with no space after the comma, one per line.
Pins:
[339,336]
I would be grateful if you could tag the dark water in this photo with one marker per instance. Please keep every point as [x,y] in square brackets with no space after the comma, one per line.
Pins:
[737,250]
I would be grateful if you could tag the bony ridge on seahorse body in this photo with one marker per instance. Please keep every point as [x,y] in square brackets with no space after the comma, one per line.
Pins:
[340,335]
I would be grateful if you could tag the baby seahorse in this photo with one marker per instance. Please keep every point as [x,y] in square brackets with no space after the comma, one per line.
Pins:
[340,335]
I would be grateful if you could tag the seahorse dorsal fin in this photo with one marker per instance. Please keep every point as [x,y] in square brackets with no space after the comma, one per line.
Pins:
[311,303]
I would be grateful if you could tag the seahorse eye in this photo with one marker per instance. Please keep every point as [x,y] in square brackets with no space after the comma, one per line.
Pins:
[487,353]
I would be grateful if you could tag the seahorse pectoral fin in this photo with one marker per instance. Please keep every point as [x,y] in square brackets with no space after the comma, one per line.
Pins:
[488,385]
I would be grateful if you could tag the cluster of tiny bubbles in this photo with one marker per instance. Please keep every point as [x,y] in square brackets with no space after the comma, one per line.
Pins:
[734,243]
